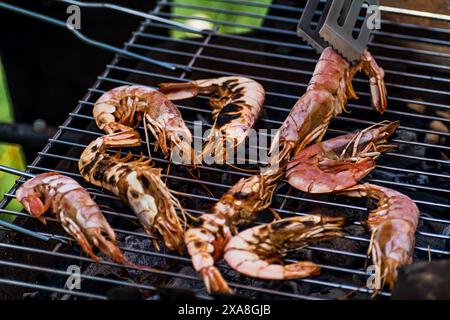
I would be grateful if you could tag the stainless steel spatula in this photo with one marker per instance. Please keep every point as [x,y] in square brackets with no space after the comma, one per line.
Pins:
[336,27]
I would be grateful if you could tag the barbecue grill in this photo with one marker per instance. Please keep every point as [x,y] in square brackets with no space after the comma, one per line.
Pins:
[417,64]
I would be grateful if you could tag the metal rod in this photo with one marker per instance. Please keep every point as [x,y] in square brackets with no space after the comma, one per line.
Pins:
[416,13]
[158,272]
[215,184]
[16,171]
[16,228]
[259,148]
[277,55]
[290,32]
[284,69]
[305,47]
[268,93]
[82,37]
[55,149]
[221,265]
[129,11]
[300,9]
[277,195]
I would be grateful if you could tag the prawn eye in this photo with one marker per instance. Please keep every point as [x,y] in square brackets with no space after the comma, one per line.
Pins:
[179,136]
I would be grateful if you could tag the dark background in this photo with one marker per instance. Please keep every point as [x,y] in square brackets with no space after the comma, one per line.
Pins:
[47,67]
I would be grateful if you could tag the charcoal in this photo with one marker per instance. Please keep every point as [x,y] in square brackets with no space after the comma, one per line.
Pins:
[410,148]
[178,282]
[144,245]
[447,234]
[423,281]
[408,178]
[259,51]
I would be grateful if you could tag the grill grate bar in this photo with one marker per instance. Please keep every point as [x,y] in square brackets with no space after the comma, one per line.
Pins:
[293,33]
[82,276]
[276,18]
[186,260]
[292,70]
[259,53]
[165,273]
[431,239]
[270,80]
[224,171]
[227,186]
[95,193]
[305,47]
[297,9]
[340,118]
[268,93]
[190,125]
[302,47]
[215,184]
[16,283]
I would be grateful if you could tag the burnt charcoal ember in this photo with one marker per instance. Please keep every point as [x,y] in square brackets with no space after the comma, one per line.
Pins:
[346,245]
[415,150]
[185,283]
[447,241]
[410,148]
[141,258]
[427,241]
[423,281]
[395,176]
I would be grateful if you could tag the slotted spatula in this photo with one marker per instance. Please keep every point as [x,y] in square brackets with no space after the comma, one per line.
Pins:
[335,27]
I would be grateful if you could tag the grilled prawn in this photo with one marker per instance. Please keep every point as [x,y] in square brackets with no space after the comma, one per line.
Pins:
[123,108]
[236,102]
[257,252]
[206,241]
[74,208]
[327,93]
[137,184]
[339,163]
[393,224]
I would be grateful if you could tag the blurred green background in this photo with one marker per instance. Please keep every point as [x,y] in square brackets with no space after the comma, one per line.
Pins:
[10,155]
[189,8]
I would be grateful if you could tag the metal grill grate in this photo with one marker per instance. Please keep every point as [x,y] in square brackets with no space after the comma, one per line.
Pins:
[273,55]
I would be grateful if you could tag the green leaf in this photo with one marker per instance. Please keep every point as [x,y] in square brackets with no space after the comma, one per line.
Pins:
[193,9]
[10,155]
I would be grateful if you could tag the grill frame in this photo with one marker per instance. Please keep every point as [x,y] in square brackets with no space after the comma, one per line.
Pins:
[77,114]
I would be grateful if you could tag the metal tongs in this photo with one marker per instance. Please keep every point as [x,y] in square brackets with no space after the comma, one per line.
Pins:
[336,27]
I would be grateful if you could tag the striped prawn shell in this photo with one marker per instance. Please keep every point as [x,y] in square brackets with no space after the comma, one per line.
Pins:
[140,186]
[74,208]
[238,103]
[393,224]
